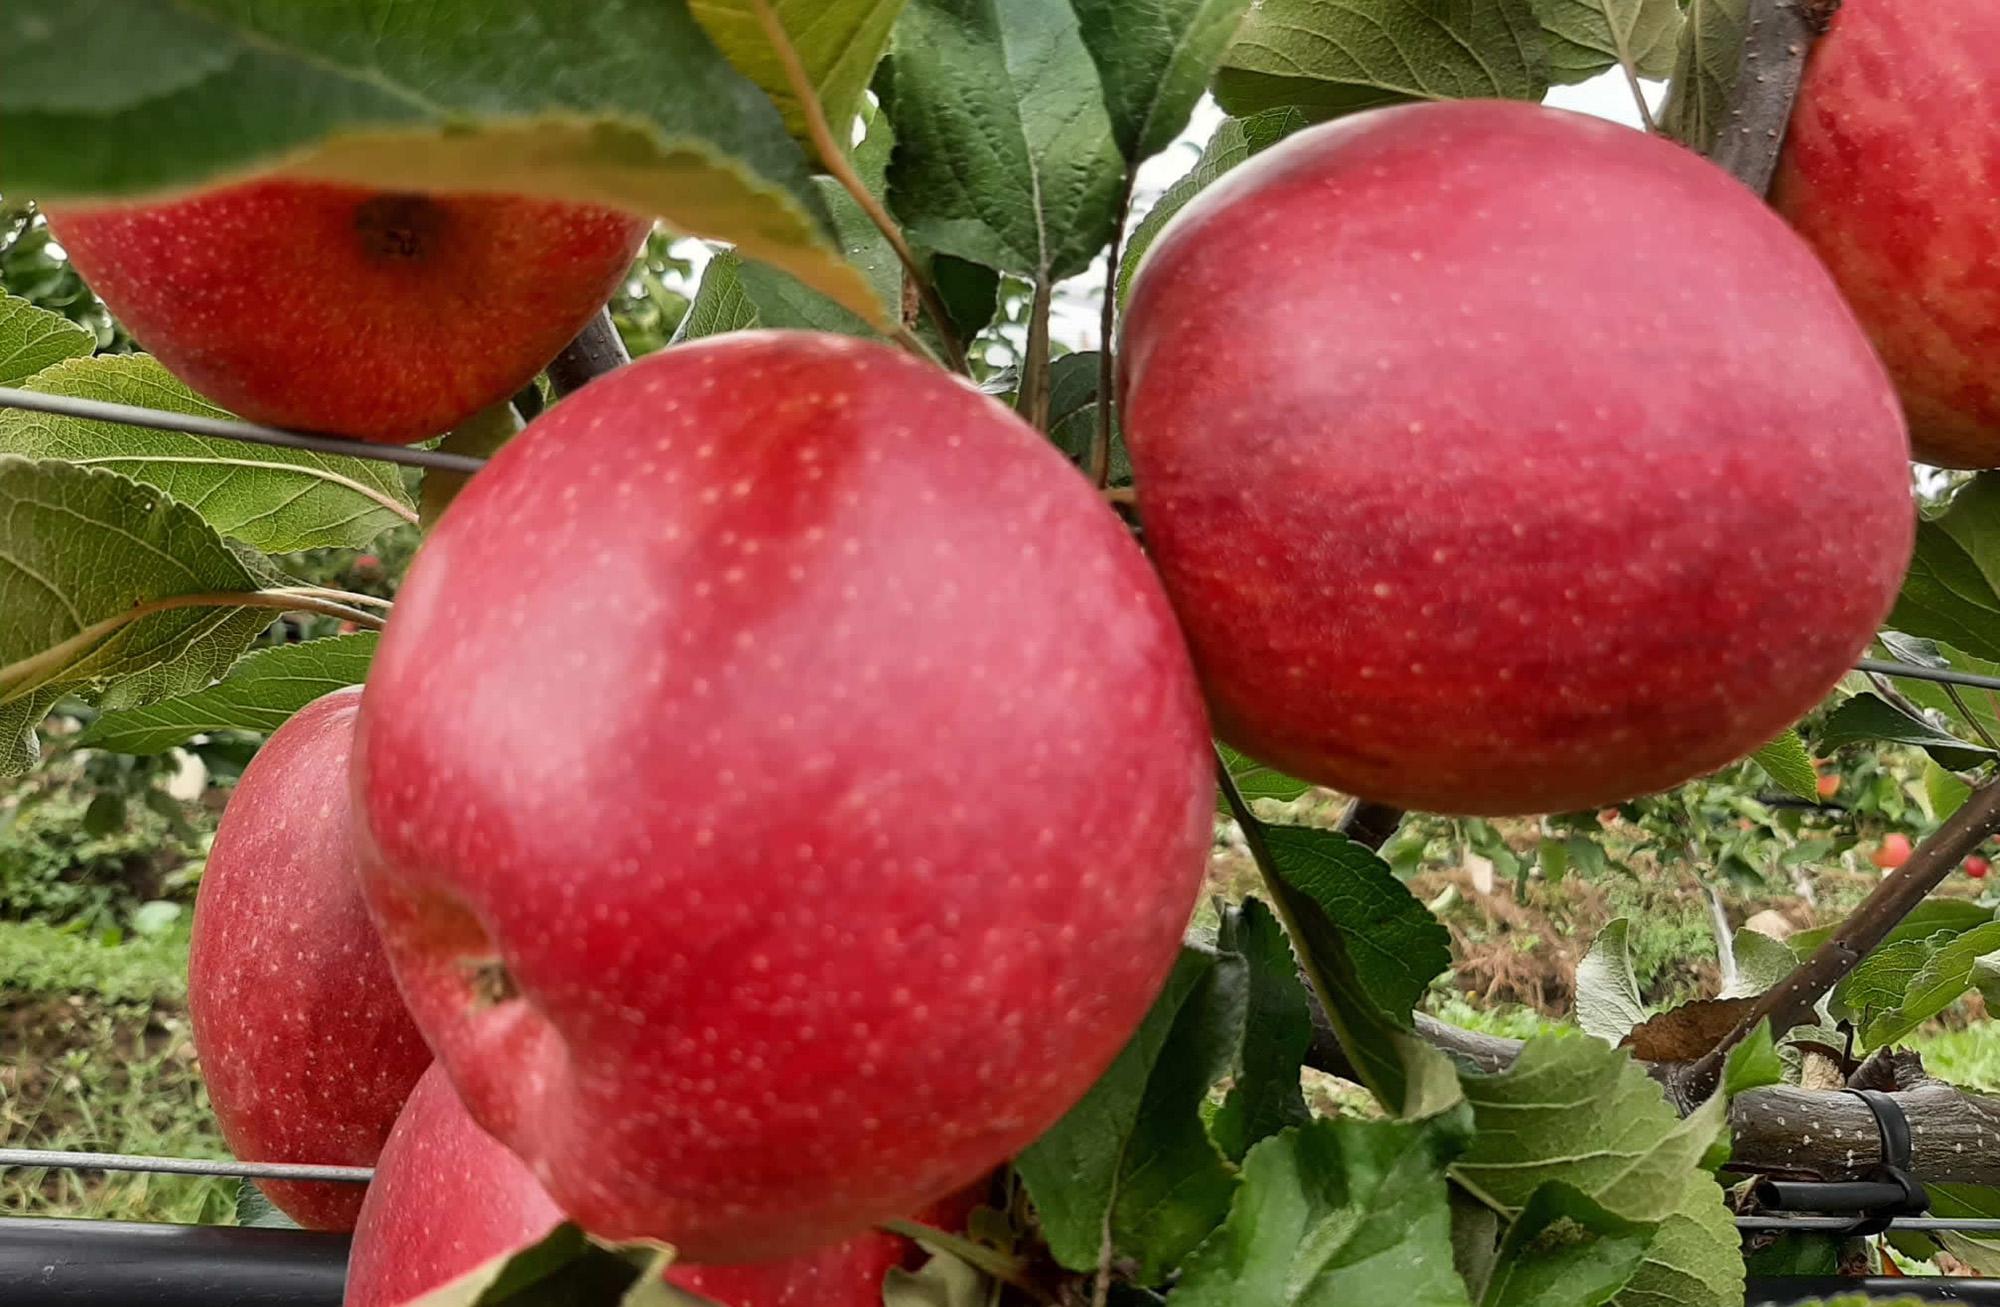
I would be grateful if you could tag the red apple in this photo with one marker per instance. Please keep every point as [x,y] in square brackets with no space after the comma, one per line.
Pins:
[1888,171]
[1977,867]
[447,1197]
[1502,460]
[1828,786]
[879,849]
[391,317]
[305,1045]
[1892,853]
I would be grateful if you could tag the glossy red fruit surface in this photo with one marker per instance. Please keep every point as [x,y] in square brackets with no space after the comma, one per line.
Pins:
[391,317]
[882,848]
[1889,172]
[1977,867]
[447,1197]
[304,1042]
[1502,460]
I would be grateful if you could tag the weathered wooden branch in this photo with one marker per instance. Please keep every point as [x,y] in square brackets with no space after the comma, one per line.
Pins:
[1777,38]
[596,350]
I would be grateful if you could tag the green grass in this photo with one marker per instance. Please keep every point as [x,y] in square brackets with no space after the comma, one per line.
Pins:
[1968,1057]
[101,1058]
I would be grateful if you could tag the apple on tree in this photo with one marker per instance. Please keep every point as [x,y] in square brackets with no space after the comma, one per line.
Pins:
[887,846]
[386,316]
[1888,172]
[305,1045]
[1893,852]
[1502,460]
[1977,867]
[448,1197]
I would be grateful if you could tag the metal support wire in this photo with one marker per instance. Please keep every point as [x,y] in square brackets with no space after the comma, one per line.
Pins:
[55,1157]
[131,415]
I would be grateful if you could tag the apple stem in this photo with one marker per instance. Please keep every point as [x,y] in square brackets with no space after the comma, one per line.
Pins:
[1777,38]
[1033,401]
[1099,466]
[1790,1002]
[1639,96]
[833,157]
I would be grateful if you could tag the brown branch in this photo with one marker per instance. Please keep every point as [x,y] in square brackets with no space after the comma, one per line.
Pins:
[833,157]
[1790,1002]
[1776,41]
[596,350]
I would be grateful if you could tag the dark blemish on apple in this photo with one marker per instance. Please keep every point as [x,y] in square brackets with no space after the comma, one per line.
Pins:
[398,226]
[490,982]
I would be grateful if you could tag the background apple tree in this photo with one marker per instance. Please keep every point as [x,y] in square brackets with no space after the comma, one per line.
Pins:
[933,173]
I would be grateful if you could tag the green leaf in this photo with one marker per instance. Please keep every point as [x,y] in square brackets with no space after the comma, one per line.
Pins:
[258,695]
[1696,1258]
[1876,986]
[1267,1096]
[254,1209]
[1132,1158]
[1330,57]
[1331,1214]
[79,550]
[1949,970]
[737,293]
[1980,1202]
[32,339]
[1253,779]
[1867,719]
[1785,761]
[1375,949]
[565,1267]
[1761,962]
[1235,140]
[1585,37]
[624,103]
[943,1281]
[1946,792]
[1575,1111]
[1607,992]
[1565,1250]
[1753,1063]
[1922,921]
[839,43]
[1952,591]
[1154,58]
[1960,703]
[1005,155]
[482,435]
[1706,63]
[276,500]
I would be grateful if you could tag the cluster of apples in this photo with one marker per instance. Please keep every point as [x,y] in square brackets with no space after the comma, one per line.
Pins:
[1491,460]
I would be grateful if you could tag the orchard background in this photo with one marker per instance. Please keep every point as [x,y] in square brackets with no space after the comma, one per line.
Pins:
[1567,928]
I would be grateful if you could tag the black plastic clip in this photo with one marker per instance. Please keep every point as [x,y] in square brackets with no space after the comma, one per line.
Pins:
[1887,1192]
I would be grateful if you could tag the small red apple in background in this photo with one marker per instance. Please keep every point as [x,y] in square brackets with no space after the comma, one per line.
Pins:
[1892,853]
[391,317]
[447,1197]
[1976,867]
[305,1045]
[1888,171]
[888,847]
[1449,524]
[1828,786]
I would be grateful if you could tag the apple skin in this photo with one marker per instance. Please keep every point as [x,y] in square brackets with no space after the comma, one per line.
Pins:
[1502,460]
[391,317]
[447,1196]
[1887,171]
[1893,852]
[1977,867]
[884,846]
[305,1045]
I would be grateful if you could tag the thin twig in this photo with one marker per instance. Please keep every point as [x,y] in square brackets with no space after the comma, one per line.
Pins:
[1791,1001]
[833,157]
[1971,719]
[352,598]
[1099,466]
[35,665]
[597,349]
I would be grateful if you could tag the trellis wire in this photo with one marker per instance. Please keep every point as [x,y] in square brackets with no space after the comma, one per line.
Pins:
[97,410]
[56,1157]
